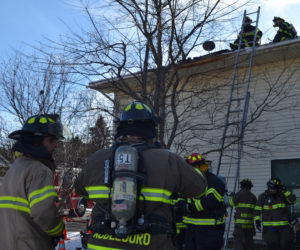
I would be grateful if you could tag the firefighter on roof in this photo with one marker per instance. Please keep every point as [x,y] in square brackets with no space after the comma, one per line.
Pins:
[271,211]
[248,33]
[244,202]
[136,176]
[206,216]
[285,30]
[28,215]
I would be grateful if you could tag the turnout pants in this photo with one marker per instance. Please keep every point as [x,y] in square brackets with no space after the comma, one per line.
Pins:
[279,238]
[243,238]
[204,237]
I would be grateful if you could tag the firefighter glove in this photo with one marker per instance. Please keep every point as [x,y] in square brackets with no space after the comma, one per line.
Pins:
[258,225]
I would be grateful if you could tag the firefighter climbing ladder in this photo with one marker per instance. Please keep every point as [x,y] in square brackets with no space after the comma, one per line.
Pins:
[236,116]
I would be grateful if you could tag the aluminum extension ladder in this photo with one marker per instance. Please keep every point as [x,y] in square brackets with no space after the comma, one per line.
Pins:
[236,116]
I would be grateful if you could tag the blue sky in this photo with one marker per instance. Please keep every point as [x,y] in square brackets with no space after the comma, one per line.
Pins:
[30,20]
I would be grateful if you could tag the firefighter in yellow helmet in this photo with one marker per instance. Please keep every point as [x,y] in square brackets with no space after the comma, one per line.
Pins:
[28,215]
[132,183]
[244,202]
[206,215]
[271,211]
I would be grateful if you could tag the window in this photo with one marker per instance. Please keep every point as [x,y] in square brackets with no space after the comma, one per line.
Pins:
[289,173]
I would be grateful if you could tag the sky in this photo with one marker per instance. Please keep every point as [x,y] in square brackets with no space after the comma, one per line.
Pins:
[29,21]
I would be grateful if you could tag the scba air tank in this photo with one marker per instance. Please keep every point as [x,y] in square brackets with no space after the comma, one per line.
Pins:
[124,187]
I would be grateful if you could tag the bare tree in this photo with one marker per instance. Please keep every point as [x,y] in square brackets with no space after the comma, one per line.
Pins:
[142,50]
[147,41]
[29,88]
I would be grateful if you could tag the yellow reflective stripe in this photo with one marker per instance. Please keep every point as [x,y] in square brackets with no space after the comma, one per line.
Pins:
[243,221]
[57,230]
[51,120]
[245,215]
[31,120]
[245,205]
[41,194]
[198,205]
[128,107]
[258,208]
[180,225]
[287,193]
[156,194]
[16,203]
[139,106]
[147,107]
[43,120]
[257,217]
[231,203]
[202,221]
[198,171]
[215,193]
[91,246]
[274,206]
[275,223]
[97,192]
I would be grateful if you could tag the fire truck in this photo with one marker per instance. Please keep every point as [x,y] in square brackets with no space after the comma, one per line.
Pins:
[73,205]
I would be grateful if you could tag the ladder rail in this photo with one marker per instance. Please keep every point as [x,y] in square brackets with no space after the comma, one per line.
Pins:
[242,122]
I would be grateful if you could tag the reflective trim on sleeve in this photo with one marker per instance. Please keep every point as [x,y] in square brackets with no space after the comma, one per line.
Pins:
[243,221]
[213,191]
[57,230]
[245,205]
[41,194]
[202,221]
[198,205]
[94,247]
[97,192]
[156,194]
[16,203]
[257,218]
[287,193]
[258,208]
[180,225]
[274,206]
[275,223]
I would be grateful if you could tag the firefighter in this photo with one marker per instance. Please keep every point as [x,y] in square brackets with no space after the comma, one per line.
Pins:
[27,211]
[244,202]
[286,30]
[206,215]
[161,173]
[272,211]
[247,35]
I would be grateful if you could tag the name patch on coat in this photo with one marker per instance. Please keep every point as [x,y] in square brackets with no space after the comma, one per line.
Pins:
[136,239]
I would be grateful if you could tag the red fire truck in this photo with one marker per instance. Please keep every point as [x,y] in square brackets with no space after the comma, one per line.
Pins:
[73,204]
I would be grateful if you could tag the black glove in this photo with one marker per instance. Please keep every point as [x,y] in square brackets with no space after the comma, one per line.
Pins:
[258,225]
[181,207]
[192,208]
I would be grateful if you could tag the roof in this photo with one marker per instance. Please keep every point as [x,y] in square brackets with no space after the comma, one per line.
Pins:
[263,54]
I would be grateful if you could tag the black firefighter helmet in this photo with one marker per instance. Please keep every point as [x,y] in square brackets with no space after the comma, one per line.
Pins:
[40,125]
[246,183]
[137,119]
